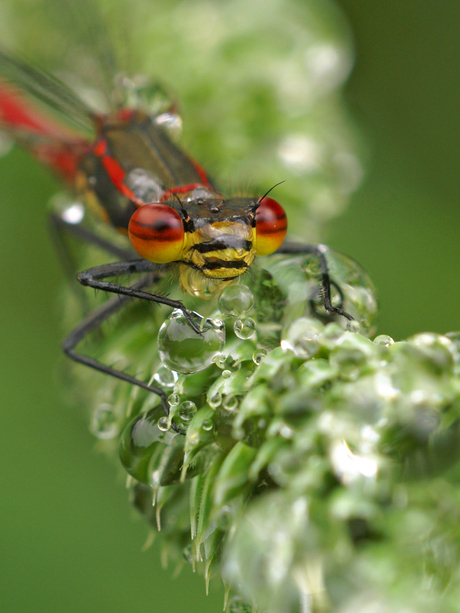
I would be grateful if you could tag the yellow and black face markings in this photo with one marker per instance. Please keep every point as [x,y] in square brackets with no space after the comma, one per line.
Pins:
[217,237]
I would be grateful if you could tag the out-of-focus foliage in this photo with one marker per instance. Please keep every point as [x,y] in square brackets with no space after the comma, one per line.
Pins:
[380,529]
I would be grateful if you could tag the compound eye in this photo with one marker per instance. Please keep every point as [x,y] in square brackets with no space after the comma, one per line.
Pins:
[271,226]
[157,233]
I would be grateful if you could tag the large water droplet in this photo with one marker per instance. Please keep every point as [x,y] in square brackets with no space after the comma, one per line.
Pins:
[235,300]
[182,349]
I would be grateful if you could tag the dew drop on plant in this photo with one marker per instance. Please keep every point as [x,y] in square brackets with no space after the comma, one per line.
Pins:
[235,300]
[187,410]
[215,399]
[141,438]
[173,400]
[301,337]
[383,339]
[353,354]
[249,372]
[68,209]
[331,335]
[163,424]
[219,360]
[207,425]
[245,328]
[258,356]
[103,422]
[353,326]
[166,377]
[183,350]
[238,605]
[230,403]
[226,374]
[187,553]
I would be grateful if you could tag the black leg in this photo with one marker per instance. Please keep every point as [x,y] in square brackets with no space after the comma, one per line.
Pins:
[93,322]
[94,277]
[325,282]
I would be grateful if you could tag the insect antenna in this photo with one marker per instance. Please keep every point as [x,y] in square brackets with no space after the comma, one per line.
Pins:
[271,189]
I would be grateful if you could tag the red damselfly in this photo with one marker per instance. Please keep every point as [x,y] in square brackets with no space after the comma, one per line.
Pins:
[141,183]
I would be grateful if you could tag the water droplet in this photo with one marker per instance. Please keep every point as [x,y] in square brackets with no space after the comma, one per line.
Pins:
[226,374]
[245,328]
[238,605]
[69,210]
[187,553]
[104,423]
[140,92]
[353,326]
[166,377]
[187,410]
[353,354]
[164,423]
[383,339]
[182,349]
[217,324]
[230,403]
[258,356]
[331,335]
[219,360]
[301,337]
[235,300]
[215,399]
[141,439]
[173,400]
[207,425]
[200,193]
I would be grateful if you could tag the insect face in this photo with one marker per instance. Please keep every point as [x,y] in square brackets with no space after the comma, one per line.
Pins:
[217,237]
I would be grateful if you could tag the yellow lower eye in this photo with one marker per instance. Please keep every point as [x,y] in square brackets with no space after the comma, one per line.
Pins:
[271,226]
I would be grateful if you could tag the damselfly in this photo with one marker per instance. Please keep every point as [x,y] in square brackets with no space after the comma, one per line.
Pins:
[138,180]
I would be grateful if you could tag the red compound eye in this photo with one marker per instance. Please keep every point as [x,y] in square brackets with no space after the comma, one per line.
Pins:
[271,226]
[157,233]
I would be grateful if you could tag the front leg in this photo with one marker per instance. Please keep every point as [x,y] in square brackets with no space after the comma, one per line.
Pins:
[92,322]
[325,281]
[95,277]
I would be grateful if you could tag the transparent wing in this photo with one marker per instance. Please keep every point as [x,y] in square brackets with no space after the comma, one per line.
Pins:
[43,87]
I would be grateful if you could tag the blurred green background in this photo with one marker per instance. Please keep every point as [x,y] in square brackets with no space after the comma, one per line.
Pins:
[69,542]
